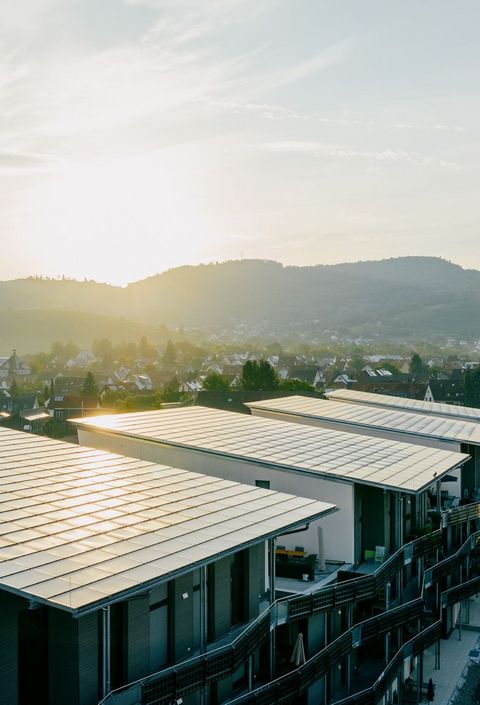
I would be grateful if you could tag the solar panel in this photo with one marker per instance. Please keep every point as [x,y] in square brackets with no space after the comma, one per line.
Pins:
[367,415]
[467,413]
[324,451]
[101,526]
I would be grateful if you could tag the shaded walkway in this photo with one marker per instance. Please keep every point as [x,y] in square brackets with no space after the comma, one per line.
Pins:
[454,662]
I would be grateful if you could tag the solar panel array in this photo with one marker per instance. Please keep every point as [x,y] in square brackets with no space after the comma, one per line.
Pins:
[338,454]
[437,427]
[80,527]
[467,413]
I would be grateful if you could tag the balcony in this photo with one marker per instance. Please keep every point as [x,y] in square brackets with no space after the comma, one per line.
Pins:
[323,595]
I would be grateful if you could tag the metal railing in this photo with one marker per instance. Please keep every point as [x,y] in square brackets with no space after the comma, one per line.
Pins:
[207,668]
[294,684]
[459,515]
[216,664]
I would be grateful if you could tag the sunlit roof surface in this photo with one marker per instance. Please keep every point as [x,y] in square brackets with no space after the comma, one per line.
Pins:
[465,413]
[363,415]
[80,527]
[331,453]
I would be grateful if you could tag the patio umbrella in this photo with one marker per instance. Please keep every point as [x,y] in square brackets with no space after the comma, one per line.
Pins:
[430,691]
[298,655]
[321,549]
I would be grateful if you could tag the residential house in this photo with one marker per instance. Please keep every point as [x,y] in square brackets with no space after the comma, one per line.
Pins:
[311,375]
[139,382]
[13,366]
[190,387]
[446,391]
[34,420]
[15,404]
[83,360]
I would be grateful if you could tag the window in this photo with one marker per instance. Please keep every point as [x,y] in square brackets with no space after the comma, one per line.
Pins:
[264,484]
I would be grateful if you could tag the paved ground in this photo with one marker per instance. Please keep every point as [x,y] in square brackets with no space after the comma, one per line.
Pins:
[468,690]
[457,678]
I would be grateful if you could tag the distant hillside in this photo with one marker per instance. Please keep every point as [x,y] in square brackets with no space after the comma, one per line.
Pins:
[421,296]
[350,297]
[34,331]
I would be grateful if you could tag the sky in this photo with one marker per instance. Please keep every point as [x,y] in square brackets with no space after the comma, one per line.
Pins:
[140,135]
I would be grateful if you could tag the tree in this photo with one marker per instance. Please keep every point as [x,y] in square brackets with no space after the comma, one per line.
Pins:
[417,366]
[102,348]
[216,382]
[169,355]
[472,388]
[14,388]
[146,350]
[170,392]
[56,348]
[126,353]
[70,350]
[259,376]
[357,363]
[296,385]
[89,387]
[38,362]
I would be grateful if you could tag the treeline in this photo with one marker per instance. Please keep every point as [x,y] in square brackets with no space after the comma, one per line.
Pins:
[32,331]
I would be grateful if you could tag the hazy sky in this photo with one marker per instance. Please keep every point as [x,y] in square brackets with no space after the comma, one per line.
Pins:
[136,135]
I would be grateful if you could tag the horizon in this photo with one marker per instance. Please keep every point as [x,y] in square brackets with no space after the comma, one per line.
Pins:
[146,134]
[123,285]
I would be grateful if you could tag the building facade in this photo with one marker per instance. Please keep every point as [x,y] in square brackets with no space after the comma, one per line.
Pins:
[113,570]
[409,570]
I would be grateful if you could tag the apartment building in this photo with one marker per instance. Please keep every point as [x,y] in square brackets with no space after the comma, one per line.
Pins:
[113,570]
[427,429]
[385,480]
[399,581]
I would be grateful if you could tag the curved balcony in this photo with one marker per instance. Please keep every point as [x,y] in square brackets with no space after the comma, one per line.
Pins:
[198,672]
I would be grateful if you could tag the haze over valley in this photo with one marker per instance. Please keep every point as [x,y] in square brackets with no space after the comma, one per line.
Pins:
[407,297]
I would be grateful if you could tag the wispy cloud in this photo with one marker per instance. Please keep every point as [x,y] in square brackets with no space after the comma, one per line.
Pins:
[346,153]
[325,59]
[23,163]
[435,127]
[261,83]
[274,111]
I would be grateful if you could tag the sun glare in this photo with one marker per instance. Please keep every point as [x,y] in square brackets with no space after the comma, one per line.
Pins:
[123,218]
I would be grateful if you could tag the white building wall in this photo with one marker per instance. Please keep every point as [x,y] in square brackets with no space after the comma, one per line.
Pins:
[338,528]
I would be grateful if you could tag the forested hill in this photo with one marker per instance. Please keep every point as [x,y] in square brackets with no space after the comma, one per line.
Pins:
[410,295]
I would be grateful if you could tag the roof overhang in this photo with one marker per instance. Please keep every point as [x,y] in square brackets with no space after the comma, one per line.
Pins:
[148,585]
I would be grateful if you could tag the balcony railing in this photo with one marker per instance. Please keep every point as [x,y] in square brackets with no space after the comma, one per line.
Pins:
[200,671]
[295,683]
[458,515]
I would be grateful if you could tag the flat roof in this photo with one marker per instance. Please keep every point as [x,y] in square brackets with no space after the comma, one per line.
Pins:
[81,527]
[466,413]
[334,454]
[34,415]
[368,416]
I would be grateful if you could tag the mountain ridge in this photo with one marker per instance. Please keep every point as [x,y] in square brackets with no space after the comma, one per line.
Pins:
[429,296]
